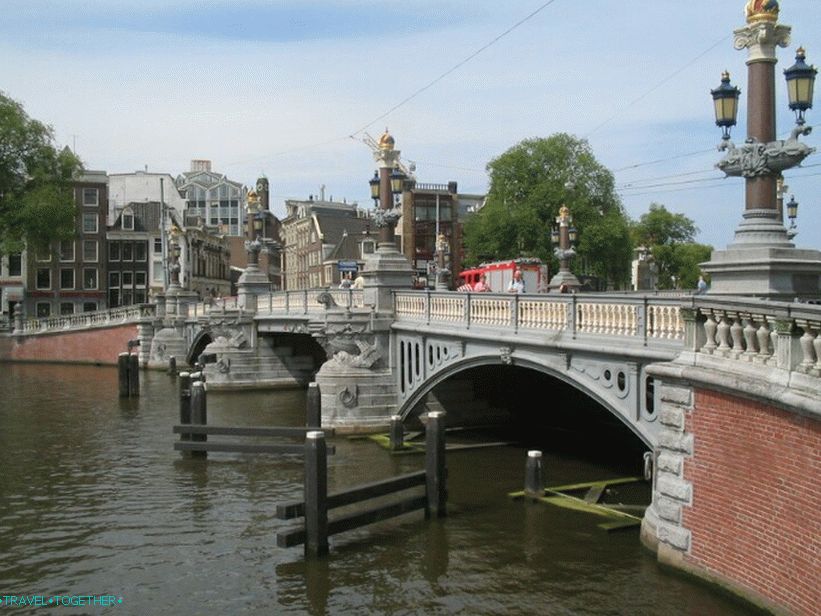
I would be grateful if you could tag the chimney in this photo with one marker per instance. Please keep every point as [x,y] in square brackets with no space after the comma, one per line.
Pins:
[200,164]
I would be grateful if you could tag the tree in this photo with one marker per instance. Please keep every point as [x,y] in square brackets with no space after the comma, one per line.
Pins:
[36,197]
[670,239]
[528,184]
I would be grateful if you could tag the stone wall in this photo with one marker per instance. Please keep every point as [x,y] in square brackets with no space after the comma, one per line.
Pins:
[755,516]
[99,345]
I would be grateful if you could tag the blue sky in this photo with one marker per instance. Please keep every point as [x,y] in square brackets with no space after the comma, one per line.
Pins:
[278,87]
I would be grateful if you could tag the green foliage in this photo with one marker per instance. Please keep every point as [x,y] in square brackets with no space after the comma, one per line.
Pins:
[669,237]
[36,198]
[528,184]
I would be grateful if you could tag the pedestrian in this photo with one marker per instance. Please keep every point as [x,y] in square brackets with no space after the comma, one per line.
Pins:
[701,286]
[517,283]
[346,282]
[359,282]
[481,285]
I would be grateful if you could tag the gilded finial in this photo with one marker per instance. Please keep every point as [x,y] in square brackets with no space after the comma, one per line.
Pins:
[761,10]
[386,141]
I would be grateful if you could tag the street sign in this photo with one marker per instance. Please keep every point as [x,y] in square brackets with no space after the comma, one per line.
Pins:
[347,266]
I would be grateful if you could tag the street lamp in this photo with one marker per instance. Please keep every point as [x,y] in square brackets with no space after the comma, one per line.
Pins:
[800,84]
[442,273]
[563,236]
[374,183]
[750,261]
[725,99]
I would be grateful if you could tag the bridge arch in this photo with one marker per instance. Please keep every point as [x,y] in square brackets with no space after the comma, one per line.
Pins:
[201,340]
[463,365]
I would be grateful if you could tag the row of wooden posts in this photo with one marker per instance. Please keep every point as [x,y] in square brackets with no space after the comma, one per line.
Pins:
[316,528]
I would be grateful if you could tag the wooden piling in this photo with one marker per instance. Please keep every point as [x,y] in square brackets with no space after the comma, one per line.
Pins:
[534,476]
[185,402]
[122,374]
[172,366]
[316,494]
[133,375]
[199,414]
[397,433]
[313,410]
[436,472]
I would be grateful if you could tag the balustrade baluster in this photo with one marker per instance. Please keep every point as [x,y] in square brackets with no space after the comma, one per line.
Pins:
[710,327]
[750,339]
[816,346]
[764,342]
[806,341]
[737,335]
[723,335]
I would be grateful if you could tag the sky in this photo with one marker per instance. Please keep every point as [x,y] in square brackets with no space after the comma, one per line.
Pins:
[290,89]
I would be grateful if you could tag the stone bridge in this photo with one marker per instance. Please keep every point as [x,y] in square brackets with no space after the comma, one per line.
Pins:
[724,391]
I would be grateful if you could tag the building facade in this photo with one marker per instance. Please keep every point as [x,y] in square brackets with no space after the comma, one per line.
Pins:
[310,232]
[69,276]
[211,196]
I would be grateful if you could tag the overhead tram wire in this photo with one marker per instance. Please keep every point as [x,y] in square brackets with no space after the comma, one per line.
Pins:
[454,67]
[658,85]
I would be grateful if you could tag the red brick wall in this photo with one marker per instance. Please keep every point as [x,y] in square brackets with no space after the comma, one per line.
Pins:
[92,346]
[756,512]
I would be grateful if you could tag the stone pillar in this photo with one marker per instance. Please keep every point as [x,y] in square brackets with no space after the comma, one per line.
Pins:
[387,269]
[761,260]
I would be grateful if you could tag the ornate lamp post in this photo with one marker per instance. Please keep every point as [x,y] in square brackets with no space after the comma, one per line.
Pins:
[762,260]
[387,268]
[253,281]
[174,261]
[442,273]
[564,236]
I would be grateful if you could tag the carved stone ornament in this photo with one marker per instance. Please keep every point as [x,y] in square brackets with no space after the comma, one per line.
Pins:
[223,365]
[764,34]
[563,254]
[506,355]
[387,218]
[349,396]
[296,328]
[760,159]
[367,356]
[327,300]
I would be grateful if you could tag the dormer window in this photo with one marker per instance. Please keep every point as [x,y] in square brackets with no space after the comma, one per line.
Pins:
[128,220]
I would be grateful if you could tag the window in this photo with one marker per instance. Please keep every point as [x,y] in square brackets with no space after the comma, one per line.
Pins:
[16,264]
[114,279]
[67,250]
[66,278]
[113,298]
[128,221]
[89,306]
[90,196]
[157,245]
[140,250]
[128,279]
[90,251]
[139,296]
[43,254]
[368,247]
[114,251]
[43,278]
[89,223]
[66,308]
[159,273]
[127,298]
[128,251]
[43,309]
[89,278]
[139,279]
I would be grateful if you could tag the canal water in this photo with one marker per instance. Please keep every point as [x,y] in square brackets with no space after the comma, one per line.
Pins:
[94,501]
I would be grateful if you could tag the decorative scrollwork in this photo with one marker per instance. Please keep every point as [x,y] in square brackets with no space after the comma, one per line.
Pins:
[387,218]
[506,355]
[754,159]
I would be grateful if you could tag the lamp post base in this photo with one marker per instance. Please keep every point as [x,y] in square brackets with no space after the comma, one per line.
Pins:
[566,278]
[773,273]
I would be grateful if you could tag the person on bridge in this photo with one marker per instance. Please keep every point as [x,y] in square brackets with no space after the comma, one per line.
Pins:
[359,282]
[517,284]
[481,285]
[346,282]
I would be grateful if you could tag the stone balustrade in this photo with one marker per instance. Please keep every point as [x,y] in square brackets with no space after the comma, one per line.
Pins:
[777,334]
[83,320]
[648,317]
[305,301]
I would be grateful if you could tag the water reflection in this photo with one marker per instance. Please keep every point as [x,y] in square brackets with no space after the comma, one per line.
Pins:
[94,500]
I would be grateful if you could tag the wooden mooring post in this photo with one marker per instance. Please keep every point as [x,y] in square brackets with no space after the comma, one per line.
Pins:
[534,475]
[185,402]
[317,503]
[199,414]
[397,433]
[128,375]
[313,410]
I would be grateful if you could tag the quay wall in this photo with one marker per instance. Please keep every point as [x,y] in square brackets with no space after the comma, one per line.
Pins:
[755,516]
[99,345]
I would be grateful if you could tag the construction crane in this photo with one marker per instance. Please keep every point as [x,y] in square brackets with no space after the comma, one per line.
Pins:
[409,170]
